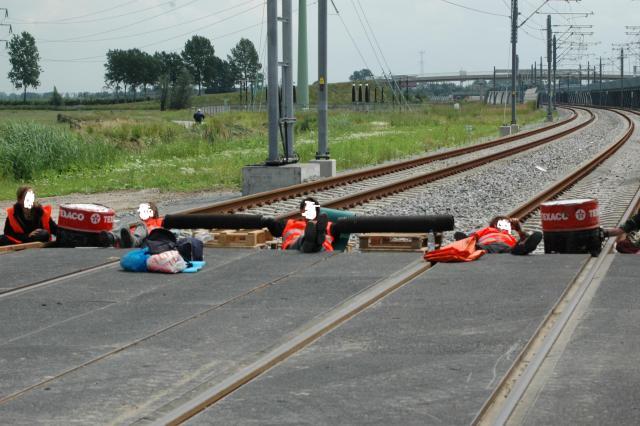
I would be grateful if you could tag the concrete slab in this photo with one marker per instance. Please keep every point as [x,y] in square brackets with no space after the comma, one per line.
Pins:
[131,384]
[31,266]
[49,306]
[430,353]
[265,178]
[597,378]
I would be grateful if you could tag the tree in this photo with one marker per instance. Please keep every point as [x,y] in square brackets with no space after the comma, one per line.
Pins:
[170,64]
[56,99]
[24,57]
[244,61]
[363,74]
[181,91]
[220,76]
[115,73]
[198,51]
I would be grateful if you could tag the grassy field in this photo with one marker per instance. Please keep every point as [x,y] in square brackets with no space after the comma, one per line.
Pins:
[137,149]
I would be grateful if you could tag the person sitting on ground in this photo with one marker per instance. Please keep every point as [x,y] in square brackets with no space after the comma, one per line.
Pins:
[309,235]
[498,238]
[198,116]
[28,221]
[628,242]
[134,235]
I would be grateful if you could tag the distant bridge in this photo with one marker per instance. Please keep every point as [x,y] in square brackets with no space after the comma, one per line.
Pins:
[500,74]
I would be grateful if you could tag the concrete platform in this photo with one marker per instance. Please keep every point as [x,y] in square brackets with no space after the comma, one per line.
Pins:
[27,267]
[115,347]
[596,380]
[430,353]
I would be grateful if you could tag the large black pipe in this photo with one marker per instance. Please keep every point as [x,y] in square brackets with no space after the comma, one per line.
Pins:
[210,221]
[355,224]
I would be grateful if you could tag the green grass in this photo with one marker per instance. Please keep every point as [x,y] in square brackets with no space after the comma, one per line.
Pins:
[143,149]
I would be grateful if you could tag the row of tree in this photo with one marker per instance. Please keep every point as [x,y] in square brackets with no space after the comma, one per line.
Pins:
[132,69]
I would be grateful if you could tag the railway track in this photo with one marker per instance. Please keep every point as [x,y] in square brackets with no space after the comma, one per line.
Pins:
[375,188]
[311,332]
[512,385]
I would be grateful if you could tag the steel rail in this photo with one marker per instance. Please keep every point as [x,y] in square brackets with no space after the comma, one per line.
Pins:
[505,397]
[267,197]
[526,209]
[392,188]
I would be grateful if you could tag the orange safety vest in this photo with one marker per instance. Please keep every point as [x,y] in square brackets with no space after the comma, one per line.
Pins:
[294,229]
[151,224]
[490,235]
[15,225]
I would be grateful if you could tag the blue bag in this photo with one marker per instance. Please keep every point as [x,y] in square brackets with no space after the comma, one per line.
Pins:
[135,260]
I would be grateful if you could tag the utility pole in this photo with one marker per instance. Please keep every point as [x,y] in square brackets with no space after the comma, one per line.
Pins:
[540,75]
[622,77]
[555,68]
[494,85]
[514,41]
[272,81]
[303,59]
[422,52]
[600,80]
[588,73]
[549,54]
[323,96]
[287,80]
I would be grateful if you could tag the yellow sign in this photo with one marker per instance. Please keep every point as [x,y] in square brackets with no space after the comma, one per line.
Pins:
[321,80]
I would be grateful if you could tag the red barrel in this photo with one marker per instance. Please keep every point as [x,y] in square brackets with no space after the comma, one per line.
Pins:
[569,215]
[92,218]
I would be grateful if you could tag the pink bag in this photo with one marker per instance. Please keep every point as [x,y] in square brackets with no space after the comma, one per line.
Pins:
[169,262]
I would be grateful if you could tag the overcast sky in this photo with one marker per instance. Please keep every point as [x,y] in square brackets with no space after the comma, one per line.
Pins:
[74,35]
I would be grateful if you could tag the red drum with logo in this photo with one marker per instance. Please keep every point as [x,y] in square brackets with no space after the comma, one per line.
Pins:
[571,226]
[92,218]
[569,215]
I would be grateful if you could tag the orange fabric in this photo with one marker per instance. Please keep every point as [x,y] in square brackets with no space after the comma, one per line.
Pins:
[328,239]
[15,225]
[150,224]
[153,223]
[293,230]
[491,235]
[46,217]
[458,251]
[14,222]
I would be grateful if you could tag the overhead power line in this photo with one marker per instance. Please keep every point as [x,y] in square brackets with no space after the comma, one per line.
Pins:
[66,21]
[474,9]
[84,38]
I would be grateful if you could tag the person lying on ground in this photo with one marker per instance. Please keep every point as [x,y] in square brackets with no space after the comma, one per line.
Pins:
[626,243]
[311,234]
[498,237]
[134,235]
[28,221]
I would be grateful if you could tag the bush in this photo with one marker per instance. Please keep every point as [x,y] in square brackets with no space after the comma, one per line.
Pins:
[29,149]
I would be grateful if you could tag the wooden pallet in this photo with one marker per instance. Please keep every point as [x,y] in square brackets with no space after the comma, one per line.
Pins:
[23,246]
[239,238]
[393,242]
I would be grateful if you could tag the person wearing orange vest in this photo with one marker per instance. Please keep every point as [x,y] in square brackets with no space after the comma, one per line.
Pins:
[498,237]
[28,221]
[309,235]
[134,235]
